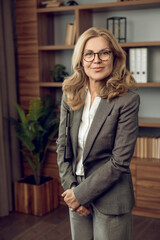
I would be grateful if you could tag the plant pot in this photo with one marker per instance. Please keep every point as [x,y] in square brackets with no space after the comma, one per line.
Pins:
[36,199]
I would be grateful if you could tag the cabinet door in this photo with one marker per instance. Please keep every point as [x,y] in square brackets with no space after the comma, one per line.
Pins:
[148,187]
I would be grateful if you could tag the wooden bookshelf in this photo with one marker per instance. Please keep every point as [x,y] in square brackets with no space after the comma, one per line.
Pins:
[125,5]
[148,84]
[98,7]
[146,161]
[124,45]
[50,84]
[146,180]
[140,44]
[55,47]
[149,122]
[53,84]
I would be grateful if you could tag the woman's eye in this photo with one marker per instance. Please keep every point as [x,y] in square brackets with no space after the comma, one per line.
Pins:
[104,53]
[88,54]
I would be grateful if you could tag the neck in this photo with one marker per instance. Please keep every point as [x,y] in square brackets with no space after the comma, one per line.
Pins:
[92,89]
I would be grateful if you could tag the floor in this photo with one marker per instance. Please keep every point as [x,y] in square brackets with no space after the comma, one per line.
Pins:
[55,226]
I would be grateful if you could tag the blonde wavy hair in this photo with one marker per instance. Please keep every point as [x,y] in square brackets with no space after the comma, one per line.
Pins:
[117,84]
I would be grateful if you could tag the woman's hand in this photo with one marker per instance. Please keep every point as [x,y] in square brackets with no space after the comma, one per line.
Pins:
[83,211]
[70,199]
[73,203]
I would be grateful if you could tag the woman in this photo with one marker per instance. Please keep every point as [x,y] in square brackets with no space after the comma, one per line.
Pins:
[103,127]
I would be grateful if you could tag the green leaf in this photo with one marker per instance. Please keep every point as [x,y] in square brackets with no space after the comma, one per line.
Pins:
[35,109]
[21,113]
[31,163]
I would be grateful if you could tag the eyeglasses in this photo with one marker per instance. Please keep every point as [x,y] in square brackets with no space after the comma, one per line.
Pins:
[102,55]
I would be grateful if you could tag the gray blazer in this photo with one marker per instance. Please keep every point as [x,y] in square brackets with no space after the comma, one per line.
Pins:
[107,155]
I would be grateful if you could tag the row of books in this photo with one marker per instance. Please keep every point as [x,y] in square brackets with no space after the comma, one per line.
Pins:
[70,34]
[138,64]
[147,147]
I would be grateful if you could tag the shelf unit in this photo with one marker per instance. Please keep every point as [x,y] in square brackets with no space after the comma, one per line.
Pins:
[38,46]
[149,122]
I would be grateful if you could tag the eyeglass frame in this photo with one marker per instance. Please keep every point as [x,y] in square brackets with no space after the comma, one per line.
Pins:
[109,51]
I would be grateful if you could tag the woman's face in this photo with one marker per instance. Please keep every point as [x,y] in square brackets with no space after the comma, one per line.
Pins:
[97,69]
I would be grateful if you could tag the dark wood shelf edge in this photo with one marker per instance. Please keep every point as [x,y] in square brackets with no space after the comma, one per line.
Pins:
[145,212]
[55,84]
[145,161]
[149,122]
[97,7]
[125,5]
[50,84]
[148,84]
[55,47]
[140,44]
[124,45]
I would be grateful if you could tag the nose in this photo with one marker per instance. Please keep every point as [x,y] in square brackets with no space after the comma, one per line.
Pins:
[96,58]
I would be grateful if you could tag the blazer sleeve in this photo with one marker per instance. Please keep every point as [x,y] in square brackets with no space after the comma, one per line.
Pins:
[109,173]
[65,168]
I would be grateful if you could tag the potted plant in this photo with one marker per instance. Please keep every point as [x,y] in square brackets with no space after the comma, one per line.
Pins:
[36,130]
[59,73]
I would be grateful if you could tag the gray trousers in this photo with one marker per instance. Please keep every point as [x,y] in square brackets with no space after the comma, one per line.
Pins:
[98,226]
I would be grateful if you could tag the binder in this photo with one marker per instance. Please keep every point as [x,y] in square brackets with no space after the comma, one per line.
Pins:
[138,64]
[132,62]
[144,61]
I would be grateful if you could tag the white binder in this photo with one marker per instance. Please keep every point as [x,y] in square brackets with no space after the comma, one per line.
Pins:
[144,61]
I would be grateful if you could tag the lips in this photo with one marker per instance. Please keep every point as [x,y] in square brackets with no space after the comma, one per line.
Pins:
[97,69]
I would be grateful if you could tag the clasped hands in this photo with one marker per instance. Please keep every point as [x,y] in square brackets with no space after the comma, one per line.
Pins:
[73,203]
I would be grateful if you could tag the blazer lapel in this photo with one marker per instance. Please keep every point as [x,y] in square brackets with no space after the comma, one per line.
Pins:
[102,112]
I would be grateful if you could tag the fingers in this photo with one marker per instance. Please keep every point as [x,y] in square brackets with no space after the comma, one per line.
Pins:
[70,199]
[73,203]
[83,211]
[63,194]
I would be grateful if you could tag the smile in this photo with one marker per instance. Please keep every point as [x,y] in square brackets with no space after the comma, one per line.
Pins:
[97,69]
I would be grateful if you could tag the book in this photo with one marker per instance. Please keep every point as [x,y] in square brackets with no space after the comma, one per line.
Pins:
[132,62]
[70,34]
[147,147]
[158,154]
[144,63]
[138,64]
[74,33]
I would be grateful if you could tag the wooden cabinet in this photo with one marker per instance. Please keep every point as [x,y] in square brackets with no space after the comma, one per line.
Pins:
[41,44]
[148,187]
[146,180]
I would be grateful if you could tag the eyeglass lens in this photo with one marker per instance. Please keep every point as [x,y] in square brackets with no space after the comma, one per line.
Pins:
[103,55]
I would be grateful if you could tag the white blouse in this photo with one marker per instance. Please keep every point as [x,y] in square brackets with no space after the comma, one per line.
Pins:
[86,121]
